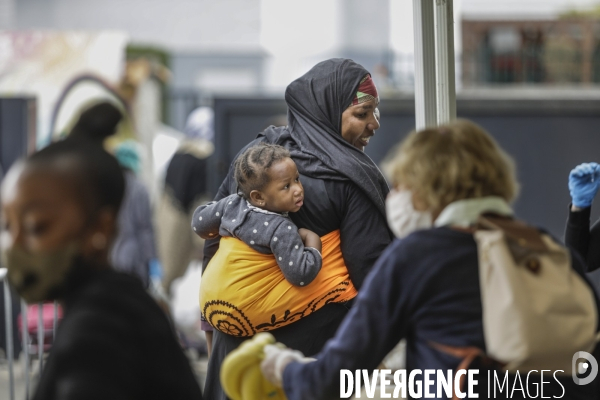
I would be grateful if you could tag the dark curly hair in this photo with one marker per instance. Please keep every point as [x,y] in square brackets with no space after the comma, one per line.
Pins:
[251,167]
[97,122]
[94,174]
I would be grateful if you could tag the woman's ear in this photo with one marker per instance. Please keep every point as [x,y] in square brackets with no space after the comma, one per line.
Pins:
[100,235]
[257,198]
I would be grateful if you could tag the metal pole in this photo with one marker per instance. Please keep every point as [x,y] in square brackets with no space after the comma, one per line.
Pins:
[55,322]
[25,333]
[425,90]
[40,335]
[444,51]
[9,334]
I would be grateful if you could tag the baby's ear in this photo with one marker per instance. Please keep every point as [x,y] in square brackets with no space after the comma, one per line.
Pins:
[256,196]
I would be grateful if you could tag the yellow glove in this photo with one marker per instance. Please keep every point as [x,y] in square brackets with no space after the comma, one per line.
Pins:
[241,377]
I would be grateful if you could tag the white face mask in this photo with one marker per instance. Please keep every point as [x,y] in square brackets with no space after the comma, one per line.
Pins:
[402,217]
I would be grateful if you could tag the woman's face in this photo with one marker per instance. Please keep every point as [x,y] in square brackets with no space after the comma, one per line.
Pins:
[46,229]
[359,123]
[41,213]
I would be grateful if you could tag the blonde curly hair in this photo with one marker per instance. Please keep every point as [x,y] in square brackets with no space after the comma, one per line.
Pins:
[451,162]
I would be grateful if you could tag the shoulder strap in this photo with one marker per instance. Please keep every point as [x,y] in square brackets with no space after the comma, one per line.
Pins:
[515,231]
[524,242]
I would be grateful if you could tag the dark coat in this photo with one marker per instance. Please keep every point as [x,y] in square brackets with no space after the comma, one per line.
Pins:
[580,237]
[114,342]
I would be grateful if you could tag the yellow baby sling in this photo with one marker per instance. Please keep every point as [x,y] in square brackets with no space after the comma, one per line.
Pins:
[244,292]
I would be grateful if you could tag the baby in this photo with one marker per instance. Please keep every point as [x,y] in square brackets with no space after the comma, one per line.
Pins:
[268,188]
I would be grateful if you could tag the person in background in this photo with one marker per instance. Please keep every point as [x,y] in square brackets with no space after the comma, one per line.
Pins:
[97,123]
[185,189]
[425,287]
[60,209]
[332,116]
[134,249]
[584,181]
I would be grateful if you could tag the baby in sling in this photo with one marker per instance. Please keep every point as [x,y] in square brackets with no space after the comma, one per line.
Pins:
[267,272]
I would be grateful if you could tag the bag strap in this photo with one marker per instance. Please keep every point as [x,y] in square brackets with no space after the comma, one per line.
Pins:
[515,231]
[468,354]
[524,242]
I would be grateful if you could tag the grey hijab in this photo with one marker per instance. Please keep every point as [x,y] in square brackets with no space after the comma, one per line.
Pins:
[316,102]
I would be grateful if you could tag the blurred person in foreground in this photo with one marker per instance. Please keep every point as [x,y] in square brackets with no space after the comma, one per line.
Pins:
[332,116]
[186,187]
[426,286]
[60,210]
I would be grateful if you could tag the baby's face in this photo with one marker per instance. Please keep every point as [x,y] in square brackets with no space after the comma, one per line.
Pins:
[284,192]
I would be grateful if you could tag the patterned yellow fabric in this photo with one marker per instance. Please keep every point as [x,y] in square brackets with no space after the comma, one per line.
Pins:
[244,292]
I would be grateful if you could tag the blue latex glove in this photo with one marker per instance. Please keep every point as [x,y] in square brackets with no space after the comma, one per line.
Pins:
[156,270]
[584,182]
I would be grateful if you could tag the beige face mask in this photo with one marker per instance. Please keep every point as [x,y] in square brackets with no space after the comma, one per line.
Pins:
[38,276]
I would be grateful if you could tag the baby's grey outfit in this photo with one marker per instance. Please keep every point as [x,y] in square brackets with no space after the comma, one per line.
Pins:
[265,231]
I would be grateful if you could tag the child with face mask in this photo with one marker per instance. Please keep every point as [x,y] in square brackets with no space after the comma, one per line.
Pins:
[266,273]
[60,215]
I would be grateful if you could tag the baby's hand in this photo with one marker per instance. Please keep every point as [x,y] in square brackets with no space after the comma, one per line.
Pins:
[310,239]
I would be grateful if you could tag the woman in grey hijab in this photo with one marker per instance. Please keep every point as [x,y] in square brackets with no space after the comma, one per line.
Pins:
[332,115]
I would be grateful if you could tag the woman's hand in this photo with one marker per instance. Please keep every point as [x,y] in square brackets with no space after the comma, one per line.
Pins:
[584,181]
[310,239]
[276,358]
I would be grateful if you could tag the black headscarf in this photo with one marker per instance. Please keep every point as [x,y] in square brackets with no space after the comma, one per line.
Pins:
[313,136]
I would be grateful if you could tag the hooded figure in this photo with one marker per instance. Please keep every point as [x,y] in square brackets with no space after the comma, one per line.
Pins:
[332,115]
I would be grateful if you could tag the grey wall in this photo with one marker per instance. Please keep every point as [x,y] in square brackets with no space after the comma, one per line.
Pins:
[546,138]
[175,24]
[17,129]
[365,33]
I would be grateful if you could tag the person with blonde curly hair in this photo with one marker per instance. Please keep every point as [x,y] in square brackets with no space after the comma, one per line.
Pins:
[439,166]
[425,287]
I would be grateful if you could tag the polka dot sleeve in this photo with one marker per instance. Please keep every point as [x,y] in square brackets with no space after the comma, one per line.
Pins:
[207,219]
[300,265]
